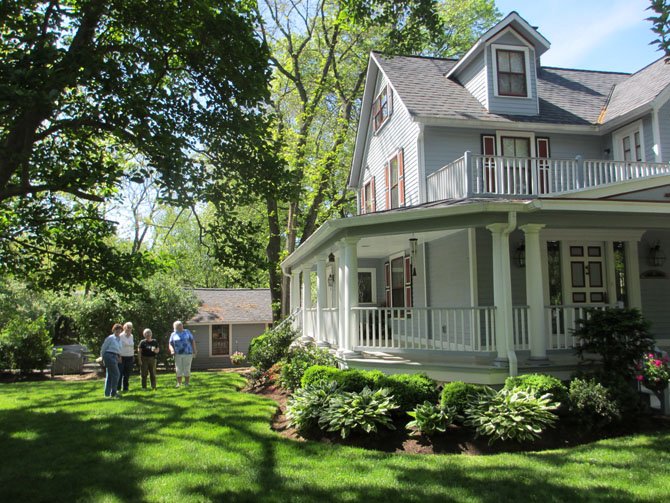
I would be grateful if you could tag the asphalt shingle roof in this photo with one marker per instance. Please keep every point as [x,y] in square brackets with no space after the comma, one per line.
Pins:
[233,305]
[566,96]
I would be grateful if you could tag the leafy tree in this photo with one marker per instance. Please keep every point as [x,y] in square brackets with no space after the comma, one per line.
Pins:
[319,53]
[85,87]
[661,25]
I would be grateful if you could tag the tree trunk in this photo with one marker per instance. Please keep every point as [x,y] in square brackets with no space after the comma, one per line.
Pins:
[273,251]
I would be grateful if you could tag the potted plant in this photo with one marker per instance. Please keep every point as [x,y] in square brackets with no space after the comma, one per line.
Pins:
[237,358]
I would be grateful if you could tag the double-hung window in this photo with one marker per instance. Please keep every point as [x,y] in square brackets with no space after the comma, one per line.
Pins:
[382,108]
[511,73]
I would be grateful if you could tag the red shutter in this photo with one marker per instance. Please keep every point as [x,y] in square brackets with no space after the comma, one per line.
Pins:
[401,179]
[489,149]
[373,195]
[543,166]
[387,172]
[362,200]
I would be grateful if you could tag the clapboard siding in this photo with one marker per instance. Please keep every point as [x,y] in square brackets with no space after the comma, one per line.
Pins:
[664,130]
[241,335]
[568,146]
[655,291]
[399,132]
[512,105]
[444,145]
[448,263]
[473,77]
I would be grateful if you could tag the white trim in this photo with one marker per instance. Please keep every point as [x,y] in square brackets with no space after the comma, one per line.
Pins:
[472,254]
[621,133]
[494,65]
[656,131]
[374,284]
[619,188]
[538,127]
[592,234]
[515,134]
[421,158]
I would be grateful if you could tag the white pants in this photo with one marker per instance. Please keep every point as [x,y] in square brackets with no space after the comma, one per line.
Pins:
[182,364]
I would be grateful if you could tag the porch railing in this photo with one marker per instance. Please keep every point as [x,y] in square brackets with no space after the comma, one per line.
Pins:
[330,326]
[480,175]
[561,322]
[520,327]
[451,329]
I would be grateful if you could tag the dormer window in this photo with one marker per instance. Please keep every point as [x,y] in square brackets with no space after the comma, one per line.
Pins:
[511,69]
[382,108]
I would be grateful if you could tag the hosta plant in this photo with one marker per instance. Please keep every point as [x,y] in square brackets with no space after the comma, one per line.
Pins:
[430,419]
[305,406]
[365,411]
[512,415]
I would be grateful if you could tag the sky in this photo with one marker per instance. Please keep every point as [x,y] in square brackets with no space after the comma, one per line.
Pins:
[609,35]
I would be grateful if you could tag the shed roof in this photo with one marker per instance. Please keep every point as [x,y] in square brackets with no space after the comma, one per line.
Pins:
[233,305]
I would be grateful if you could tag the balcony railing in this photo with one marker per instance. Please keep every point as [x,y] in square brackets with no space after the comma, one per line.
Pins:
[482,176]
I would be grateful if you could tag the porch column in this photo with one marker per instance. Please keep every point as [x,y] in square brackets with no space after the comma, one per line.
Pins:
[321,299]
[351,289]
[306,302]
[535,292]
[341,307]
[502,293]
[295,290]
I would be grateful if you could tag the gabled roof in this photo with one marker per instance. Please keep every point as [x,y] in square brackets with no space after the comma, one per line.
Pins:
[233,305]
[638,90]
[517,23]
[574,97]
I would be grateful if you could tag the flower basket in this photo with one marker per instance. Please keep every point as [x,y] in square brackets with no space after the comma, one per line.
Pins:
[238,358]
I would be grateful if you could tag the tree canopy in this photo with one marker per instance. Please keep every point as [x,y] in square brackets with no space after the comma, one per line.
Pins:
[93,92]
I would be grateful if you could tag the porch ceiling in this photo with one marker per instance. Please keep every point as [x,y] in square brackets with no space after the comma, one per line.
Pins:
[383,246]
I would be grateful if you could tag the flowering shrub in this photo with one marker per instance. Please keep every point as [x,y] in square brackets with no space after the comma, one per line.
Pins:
[653,372]
[237,358]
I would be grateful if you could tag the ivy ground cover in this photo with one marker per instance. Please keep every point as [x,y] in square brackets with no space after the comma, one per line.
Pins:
[62,441]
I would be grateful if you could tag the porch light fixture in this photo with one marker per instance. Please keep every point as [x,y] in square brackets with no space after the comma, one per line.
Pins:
[413,246]
[331,258]
[656,256]
[331,276]
[520,255]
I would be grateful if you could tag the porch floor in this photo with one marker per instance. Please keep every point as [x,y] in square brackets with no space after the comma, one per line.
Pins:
[475,368]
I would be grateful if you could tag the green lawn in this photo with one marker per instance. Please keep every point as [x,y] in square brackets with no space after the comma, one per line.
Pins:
[62,441]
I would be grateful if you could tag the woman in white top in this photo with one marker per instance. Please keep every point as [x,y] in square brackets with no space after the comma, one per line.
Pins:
[127,355]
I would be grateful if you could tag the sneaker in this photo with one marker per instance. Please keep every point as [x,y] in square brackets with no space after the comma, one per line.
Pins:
[186,384]
[178,385]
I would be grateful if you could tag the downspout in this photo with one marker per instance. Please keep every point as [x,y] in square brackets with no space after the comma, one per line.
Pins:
[511,354]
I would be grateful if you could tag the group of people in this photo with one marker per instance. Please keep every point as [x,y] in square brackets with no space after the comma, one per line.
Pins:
[118,356]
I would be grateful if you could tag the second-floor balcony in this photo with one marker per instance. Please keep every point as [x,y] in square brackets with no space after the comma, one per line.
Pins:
[495,176]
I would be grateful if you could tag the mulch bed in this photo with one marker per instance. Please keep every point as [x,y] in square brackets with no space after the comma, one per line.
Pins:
[457,440]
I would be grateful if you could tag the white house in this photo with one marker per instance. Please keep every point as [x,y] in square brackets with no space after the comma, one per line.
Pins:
[498,199]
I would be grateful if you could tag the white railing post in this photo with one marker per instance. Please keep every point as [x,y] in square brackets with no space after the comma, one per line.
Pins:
[468,174]
[321,300]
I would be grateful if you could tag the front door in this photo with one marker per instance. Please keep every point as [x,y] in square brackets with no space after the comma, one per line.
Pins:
[587,282]
[517,176]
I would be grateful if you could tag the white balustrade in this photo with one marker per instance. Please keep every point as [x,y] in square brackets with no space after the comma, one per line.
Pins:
[562,321]
[450,329]
[479,175]
[330,326]
[521,327]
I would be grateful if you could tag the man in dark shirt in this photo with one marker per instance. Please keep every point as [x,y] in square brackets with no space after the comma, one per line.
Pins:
[147,350]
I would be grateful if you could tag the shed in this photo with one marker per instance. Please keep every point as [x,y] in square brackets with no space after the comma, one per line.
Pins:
[227,320]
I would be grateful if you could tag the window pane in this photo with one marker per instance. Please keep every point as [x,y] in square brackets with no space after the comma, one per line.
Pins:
[578,297]
[365,287]
[518,85]
[398,282]
[504,86]
[578,279]
[595,274]
[503,61]
[594,251]
[522,147]
[638,147]
[220,340]
[554,270]
[620,272]
[626,149]
[516,62]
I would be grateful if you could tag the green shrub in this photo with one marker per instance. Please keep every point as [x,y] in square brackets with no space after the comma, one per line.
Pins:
[460,395]
[365,411]
[540,384]
[619,336]
[430,419]
[511,415]
[410,390]
[270,347]
[298,360]
[306,404]
[317,373]
[26,345]
[591,404]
